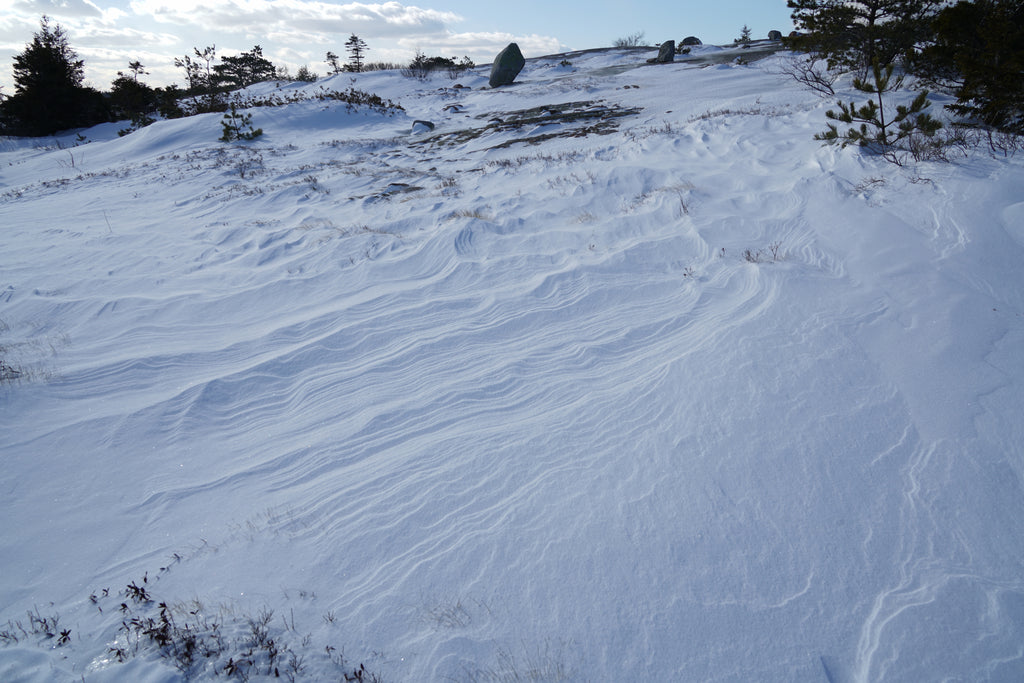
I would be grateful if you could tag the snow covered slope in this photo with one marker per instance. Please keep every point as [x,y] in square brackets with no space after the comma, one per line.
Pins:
[616,374]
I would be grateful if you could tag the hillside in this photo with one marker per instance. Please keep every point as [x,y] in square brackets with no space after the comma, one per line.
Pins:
[616,374]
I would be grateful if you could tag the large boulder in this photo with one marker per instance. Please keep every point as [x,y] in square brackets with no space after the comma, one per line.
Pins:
[507,66]
[692,40]
[666,53]
[774,35]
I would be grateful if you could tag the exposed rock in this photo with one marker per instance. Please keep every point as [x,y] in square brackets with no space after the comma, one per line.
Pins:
[692,40]
[419,126]
[774,35]
[666,53]
[392,190]
[507,66]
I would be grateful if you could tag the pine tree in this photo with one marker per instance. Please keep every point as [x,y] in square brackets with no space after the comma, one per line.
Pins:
[306,75]
[200,79]
[356,48]
[332,61]
[243,70]
[130,99]
[238,126]
[199,72]
[860,33]
[49,95]
[137,69]
[886,135]
[979,52]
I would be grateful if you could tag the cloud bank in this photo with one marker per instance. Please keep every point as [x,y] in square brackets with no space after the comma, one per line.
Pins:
[299,17]
[292,33]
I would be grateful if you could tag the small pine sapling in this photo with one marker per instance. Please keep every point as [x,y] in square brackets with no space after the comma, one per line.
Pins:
[235,125]
[305,75]
[876,131]
[744,39]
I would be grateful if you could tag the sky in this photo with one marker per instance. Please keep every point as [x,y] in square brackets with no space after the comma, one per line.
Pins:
[293,33]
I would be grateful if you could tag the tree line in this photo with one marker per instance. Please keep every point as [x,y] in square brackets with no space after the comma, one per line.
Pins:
[972,49]
[50,94]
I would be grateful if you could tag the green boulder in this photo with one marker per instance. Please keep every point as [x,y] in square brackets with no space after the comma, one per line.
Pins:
[507,66]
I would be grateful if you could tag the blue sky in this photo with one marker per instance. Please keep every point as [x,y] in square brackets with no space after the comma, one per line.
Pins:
[107,35]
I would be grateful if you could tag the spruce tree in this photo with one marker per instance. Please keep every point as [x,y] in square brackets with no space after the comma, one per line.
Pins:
[744,38]
[356,48]
[49,95]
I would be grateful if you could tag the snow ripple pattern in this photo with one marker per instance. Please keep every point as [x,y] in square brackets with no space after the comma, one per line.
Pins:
[651,413]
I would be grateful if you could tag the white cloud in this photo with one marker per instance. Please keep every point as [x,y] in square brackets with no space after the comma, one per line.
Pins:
[16,31]
[285,17]
[292,32]
[58,8]
[484,43]
[71,12]
[121,39]
[294,38]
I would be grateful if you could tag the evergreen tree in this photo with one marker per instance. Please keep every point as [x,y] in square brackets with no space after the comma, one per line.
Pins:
[243,70]
[198,72]
[238,126]
[49,95]
[979,52]
[137,70]
[878,128]
[200,79]
[305,75]
[356,48]
[744,38]
[130,99]
[858,34]
[332,61]
[48,61]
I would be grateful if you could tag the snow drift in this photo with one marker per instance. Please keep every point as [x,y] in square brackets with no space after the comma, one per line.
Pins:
[652,386]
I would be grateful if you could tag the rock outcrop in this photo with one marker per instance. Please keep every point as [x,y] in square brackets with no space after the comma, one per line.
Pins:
[666,53]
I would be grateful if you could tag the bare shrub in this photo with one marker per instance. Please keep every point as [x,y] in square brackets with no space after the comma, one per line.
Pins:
[813,72]
[1005,143]
[772,253]
[632,40]
[470,213]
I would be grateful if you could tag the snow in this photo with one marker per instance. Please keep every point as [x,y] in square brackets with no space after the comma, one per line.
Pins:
[690,397]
